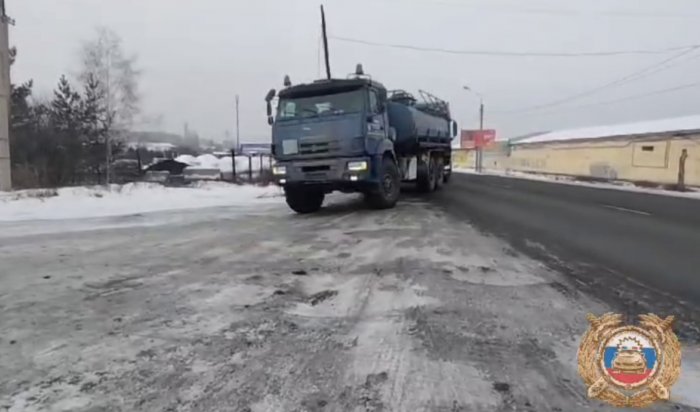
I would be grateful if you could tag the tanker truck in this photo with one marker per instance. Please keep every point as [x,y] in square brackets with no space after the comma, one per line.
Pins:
[352,135]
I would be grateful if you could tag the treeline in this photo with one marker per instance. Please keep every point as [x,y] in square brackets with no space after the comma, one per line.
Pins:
[59,142]
[74,137]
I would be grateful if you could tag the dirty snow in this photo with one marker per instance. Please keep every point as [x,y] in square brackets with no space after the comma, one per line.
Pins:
[128,199]
[570,180]
[685,391]
[347,310]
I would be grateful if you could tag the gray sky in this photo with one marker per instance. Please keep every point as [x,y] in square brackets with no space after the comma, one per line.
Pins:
[196,56]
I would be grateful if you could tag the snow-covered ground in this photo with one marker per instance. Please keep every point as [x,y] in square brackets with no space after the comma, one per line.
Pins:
[570,180]
[224,164]
[132,198]
[348,310]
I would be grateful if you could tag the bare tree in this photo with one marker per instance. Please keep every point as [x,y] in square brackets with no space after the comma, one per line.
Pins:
[104,60]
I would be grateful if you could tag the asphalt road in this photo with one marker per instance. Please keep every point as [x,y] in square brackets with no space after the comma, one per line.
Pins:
[636,248]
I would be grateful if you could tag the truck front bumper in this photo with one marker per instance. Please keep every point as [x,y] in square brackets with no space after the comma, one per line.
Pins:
[330,174]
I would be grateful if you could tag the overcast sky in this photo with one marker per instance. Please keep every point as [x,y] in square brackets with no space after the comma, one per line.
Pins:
[197,55]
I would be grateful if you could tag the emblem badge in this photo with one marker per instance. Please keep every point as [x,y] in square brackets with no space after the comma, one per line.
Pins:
[629,365]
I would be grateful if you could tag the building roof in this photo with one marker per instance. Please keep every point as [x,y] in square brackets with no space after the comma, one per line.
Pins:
[669,125]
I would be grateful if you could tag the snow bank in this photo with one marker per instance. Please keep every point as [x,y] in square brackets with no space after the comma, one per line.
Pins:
[187,159]
[570,180]
[132,198]
[224,164]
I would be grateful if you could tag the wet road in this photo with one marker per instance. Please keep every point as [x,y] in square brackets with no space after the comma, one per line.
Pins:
[644,246]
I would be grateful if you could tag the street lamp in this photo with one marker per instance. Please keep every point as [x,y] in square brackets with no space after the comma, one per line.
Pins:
[481,105]
[479,155]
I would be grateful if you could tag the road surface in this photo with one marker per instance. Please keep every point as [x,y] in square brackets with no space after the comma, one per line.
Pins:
[608,239]
[411,309]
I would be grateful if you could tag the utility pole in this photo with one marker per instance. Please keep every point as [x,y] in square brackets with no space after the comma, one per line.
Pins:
[318,57]
[480,150]
[5,163]
[481,115]
[325,43]
[111,116]
[478,154]
[238,126]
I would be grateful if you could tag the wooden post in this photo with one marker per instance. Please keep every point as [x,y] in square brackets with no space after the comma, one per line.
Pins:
[138,160]
[681,170]
[233,165]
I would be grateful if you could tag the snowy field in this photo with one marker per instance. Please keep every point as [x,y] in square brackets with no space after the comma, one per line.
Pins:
[132,198]
[261,310]
[570,180]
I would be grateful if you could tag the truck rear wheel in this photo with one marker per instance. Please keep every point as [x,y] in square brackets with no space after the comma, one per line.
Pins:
[425,180]
[439,172]
[303,200]
[386,194]
[446,177]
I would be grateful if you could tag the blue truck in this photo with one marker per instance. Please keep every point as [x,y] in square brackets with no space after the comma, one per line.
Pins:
[352,135]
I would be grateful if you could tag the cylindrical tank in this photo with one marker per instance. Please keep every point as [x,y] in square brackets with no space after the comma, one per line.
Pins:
[412,125]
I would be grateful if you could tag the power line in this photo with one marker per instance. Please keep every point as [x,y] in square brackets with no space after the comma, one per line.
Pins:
[553,11]
[639,74]
[628,98]
[516,53]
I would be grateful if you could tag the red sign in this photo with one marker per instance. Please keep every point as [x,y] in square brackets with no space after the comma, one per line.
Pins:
[471,139]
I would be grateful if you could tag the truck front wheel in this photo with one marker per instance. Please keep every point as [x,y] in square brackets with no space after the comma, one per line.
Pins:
[303,201]
[386,194]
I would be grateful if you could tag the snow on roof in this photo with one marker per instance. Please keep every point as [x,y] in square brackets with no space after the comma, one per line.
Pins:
[675,124]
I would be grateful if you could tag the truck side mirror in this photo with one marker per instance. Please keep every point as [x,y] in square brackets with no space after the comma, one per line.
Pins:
[454,129]
[268,98]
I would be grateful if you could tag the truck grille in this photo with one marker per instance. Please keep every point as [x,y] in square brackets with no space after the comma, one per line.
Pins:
[318,147]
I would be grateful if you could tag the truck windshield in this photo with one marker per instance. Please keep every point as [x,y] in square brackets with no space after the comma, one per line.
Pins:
[313,106]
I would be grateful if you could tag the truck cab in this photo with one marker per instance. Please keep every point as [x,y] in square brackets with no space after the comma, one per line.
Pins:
[333,135]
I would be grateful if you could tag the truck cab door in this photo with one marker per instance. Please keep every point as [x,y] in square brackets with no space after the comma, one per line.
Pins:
[376,118]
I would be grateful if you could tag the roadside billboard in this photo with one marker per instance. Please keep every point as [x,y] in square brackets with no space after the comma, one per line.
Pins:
[471,139]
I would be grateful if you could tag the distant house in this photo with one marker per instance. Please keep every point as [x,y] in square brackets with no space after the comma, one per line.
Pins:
[649,151]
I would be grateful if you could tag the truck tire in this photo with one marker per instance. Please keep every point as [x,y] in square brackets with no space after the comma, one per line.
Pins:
[304,201]
[439,172]
[425,181]
[446,177]
[386,194]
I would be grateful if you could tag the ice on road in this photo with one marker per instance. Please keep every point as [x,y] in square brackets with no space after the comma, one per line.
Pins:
[345,310]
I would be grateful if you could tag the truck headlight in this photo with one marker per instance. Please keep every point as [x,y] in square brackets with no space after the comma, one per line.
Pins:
[279,170]
[357,166]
